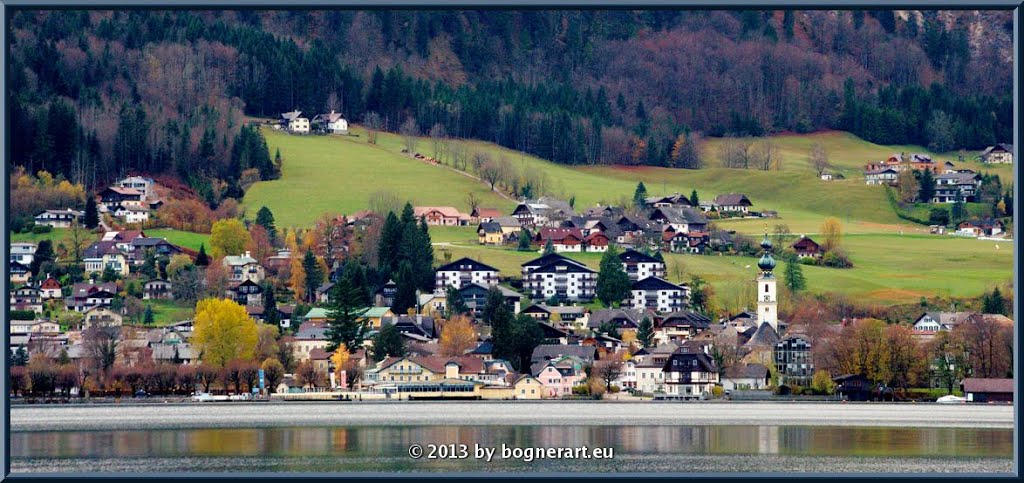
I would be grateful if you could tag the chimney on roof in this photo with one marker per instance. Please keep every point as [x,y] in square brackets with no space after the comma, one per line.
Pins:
[247,254]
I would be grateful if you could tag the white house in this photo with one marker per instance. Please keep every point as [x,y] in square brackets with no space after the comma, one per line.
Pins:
[881,176]
[465,271]
[657,294]
[58,218]
[331,122]
[640,266]
[1000,153]
[745,377]
[244,267]
[294,122]
[23,253]
[559,277]
[131,214]
[138,183]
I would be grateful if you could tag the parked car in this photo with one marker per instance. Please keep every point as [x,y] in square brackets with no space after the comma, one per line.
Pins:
[141,393]
[202,397]
[951,399]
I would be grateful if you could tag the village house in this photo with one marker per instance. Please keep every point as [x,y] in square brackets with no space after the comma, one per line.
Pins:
[38,326]
[681,219]
[930,323]
[331,122]
[26,298]
[432,302]
[657,294]
[484,215]
[539,212]
[623,319]
[465,271]
[490,233]
[475,297]
[561,316]
[689,375]
[101,316]
[949,186]
[431,368]
[441,215]
[596,242]
[385,295]
[679,326]
[745,377]
[1000,153]
[311,335]
[246,292]
[244,267]
[157,289]
[50,288]
[675,199]
[983,390]
[562,239]
[640,266]
[528,387]
[19,274]
[138,183]
[160,247]
[59,218]
[294,122]
[882,176]
[647,368]
[558,379]
[280,260]
[554,276]
[732,202]
[85,296]
[23,253]
[103,255]
[901,162]
[977,228]
[805,247]
[114,196]
[793,359]
[419,328]
[130,214]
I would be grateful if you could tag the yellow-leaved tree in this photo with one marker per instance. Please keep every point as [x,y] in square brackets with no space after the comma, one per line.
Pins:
[457,336]
[223,331]
[340,359]
[228,237]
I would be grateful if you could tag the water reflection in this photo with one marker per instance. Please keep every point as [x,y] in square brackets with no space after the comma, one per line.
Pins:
[359,442]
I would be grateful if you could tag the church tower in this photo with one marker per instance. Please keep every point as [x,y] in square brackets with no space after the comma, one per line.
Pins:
[767,294]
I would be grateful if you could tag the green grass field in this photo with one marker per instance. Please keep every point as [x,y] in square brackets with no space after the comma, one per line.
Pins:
[167,312]
[185,239]
[337,174]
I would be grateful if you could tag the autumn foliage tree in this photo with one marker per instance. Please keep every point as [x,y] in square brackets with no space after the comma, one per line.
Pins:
[457,336]
[223,332]
[228,237]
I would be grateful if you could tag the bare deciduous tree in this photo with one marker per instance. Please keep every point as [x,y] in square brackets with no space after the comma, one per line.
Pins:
[736,153]
[767,156]
[373,124]
[819,159]
[409,131]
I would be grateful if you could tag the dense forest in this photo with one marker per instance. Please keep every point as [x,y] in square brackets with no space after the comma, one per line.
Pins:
[95,94]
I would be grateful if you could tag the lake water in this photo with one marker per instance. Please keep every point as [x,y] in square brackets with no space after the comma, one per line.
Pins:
[635,448]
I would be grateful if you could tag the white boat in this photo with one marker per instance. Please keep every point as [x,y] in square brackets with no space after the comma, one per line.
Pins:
[951,399]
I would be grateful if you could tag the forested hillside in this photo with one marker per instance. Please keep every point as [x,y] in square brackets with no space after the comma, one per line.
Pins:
[97,93]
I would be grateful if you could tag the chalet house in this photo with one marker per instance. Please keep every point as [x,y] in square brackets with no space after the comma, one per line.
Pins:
[385,296]
[85,296]
[475,297]
[982,390]
[527,387]
[279,261]
[50,288]
[115,196]
[690,375]
[853,387]
[933,322]
[559,379]
[432,302]
[23,253]
[490,233]
[140,245]
[657,294]
[542,210]
[246,293]
[745,377]
[645,371]
[331,122]
[103,316]
[621,318]
[807,248]
[34,327]
[686,242]
[675,199]
[682,219]
[102,255]
[793,360]
[130,214]
[465,271]
[679,326]
[432,368]
[640,266]
[19,274]
[244,267]
[562,239]
[949,185]
[560,277]
[603,212]
[26,298]
[59,218]
[1000,153]
[562,316]
[976,228]
[483,215]
[881,176]
[157,289]
[140,184]
[441,215]
[732,202]
[323,293]
[310,336]
[901,162]
[422,328]
[294,122]
[596,242]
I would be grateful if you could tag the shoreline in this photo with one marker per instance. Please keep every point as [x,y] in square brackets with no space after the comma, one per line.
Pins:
[144,416]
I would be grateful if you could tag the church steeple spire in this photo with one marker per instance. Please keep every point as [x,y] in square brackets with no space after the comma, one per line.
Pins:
[767,303]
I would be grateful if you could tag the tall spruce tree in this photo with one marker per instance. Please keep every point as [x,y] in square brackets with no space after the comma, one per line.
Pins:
[694,199]
[265,218]
[493,303]
[927,190]
[345,322]
[270,313]
[92,215]
[202,259]
[640,195]
[455,304]
[612,281]
[793,276]
[645,332]
[405,297]
[314,275]
[388,343]
[390,239]
[524,240]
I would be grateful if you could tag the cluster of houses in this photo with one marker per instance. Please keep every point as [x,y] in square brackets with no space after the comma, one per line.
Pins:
[294,122]
[951,183]
[665,222]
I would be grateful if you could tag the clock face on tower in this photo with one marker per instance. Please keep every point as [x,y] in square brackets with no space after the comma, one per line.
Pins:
[767,298]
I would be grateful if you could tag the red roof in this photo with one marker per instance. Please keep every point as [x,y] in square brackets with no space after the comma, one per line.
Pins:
[977,384]
[596,238]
